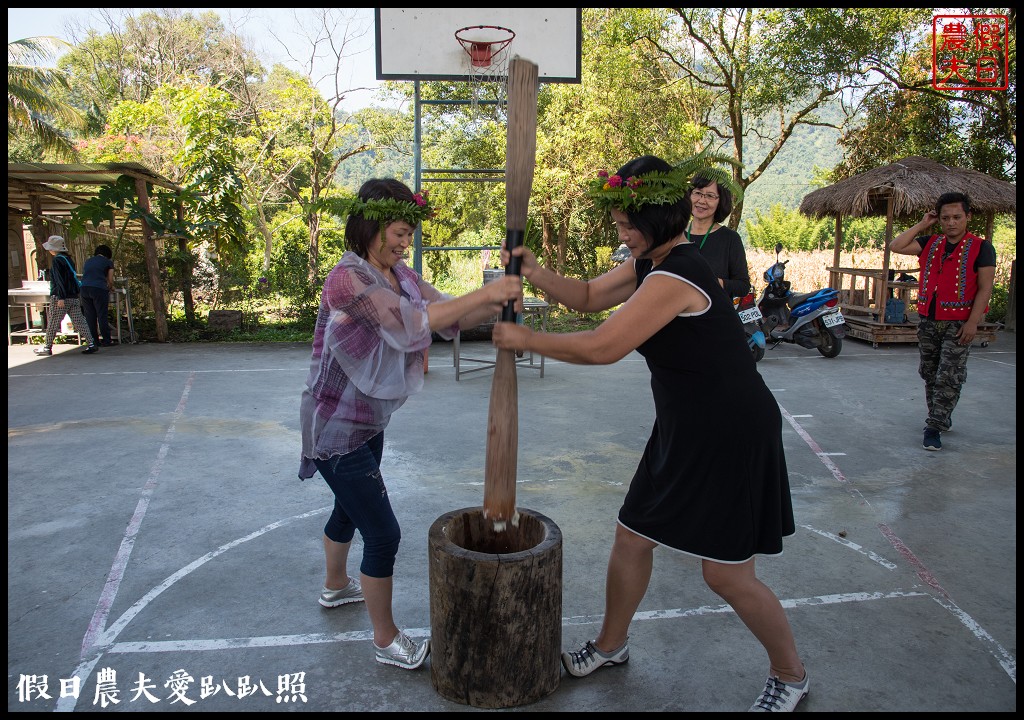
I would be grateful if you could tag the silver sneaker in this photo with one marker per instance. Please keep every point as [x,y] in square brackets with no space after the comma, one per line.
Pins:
[353,592]
[403,652]
[588,658]
[781,697]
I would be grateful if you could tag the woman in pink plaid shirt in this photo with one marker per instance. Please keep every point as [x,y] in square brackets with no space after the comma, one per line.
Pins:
[375,322]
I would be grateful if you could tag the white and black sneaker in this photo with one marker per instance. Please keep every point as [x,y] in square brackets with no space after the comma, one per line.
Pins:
[588,658]
[781,697]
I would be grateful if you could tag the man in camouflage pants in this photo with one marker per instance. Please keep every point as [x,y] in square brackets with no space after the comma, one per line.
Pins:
[957,275]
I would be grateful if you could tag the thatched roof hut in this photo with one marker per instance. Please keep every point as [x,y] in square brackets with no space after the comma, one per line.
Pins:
[913,184]
[904,190]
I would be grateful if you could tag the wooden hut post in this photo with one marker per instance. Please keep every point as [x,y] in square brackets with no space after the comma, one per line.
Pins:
[882,291]
[1011,301]
[152,265]
[835,278]
[39,234]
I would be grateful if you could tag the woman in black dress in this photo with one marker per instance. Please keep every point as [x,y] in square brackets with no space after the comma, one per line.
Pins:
[696,490]
[721,246]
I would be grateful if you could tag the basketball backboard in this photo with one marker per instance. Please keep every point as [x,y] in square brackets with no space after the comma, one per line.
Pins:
[421,44]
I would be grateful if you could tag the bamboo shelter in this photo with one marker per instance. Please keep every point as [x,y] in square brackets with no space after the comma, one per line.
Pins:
[903,190]
[50,191]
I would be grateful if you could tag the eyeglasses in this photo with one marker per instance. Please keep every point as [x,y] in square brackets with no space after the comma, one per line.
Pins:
[704,196]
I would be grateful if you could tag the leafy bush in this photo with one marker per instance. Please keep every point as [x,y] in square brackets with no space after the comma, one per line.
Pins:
[997,306]
[793,229]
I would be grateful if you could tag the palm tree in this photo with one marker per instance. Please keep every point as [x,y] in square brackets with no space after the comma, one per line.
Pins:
[32,106]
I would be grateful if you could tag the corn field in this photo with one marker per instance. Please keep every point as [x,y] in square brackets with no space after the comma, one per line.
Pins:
[808,269]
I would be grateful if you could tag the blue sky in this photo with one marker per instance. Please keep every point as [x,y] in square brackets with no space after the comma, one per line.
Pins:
[256,24]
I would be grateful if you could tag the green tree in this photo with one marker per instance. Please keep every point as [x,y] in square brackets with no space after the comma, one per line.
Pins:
[141,52]
[903,114]
[624,108]
[767,71]
[301,135]
[185,132]
[33,105]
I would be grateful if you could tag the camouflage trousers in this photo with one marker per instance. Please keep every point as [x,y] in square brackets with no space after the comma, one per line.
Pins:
[943,368]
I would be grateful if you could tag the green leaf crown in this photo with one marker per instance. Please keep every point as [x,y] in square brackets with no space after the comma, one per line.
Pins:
[392,209]
[660,188]
[629,194]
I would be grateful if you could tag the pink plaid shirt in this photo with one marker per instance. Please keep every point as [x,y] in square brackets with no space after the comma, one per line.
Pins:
[367,356]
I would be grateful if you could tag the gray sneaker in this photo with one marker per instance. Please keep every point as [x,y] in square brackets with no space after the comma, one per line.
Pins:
[588,658]
[403,652]
[351,593]
[781,697]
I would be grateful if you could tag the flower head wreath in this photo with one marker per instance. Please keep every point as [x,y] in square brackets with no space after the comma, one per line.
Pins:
[660,188]
[392,209]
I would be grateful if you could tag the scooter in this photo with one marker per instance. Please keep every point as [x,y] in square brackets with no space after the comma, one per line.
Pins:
[751,318]
[810,320]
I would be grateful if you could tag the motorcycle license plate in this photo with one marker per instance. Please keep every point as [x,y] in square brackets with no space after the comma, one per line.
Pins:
[750,315]
[833,319]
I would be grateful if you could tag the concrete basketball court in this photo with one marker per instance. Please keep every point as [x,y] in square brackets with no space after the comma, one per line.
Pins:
[157,529]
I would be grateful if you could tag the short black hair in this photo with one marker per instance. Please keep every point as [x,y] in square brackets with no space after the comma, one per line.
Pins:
[702,180]
[104,251]
[658,223]
[360,231]
[951,198]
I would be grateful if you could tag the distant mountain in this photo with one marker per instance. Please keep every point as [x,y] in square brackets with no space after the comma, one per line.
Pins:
[788,179]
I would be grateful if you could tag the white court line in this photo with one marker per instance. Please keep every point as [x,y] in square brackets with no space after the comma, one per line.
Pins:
[106,641]
[1002,656]
[116,574]
[995,362]
[362,636]
[1006,661]
[887,564]
[149,372]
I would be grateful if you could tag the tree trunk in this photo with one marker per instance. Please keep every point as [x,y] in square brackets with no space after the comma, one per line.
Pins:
[495,608]
[186,271]
[563,237]
[153,266]
[547,245]
[313,223]
[268,238]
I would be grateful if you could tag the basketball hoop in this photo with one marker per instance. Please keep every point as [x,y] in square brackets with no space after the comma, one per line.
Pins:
[487,58]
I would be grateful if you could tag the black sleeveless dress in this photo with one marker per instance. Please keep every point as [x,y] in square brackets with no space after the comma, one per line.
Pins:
[712,481]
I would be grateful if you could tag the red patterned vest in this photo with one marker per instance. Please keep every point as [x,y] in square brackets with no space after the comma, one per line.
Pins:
[952,282]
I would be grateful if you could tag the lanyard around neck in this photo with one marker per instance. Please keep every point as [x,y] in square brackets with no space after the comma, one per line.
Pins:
[701,246]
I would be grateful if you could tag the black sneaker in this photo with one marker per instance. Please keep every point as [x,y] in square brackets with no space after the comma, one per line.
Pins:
[45,351]
[931,439]
[91,349]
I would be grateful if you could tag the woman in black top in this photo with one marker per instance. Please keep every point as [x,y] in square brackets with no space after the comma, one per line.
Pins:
[65,297]
[721,246]
[97,284]
[698,489]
